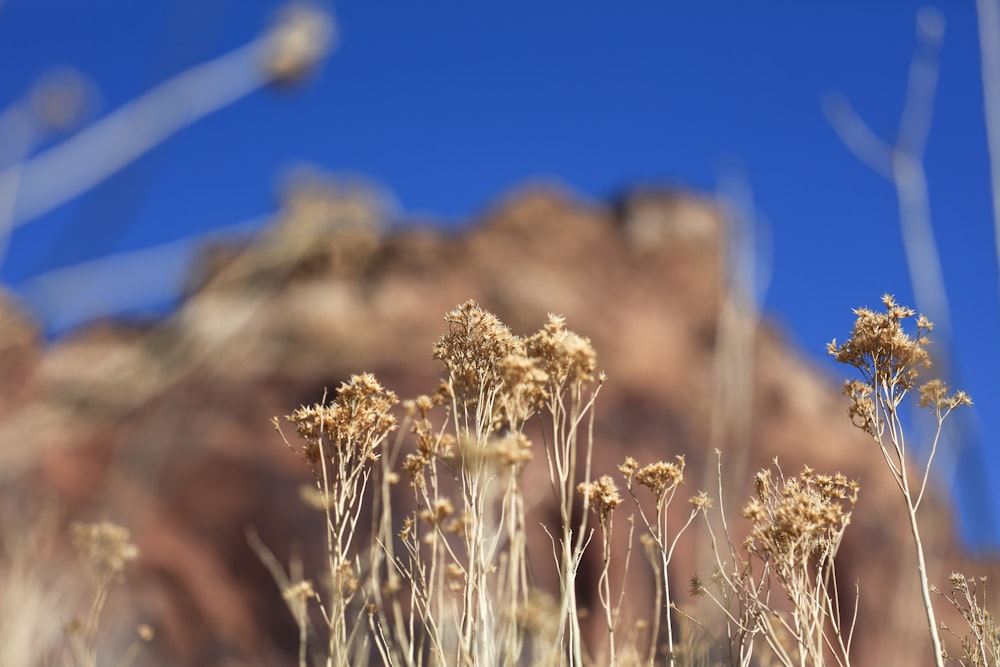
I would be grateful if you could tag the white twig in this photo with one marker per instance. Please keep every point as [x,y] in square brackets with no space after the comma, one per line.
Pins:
[988,14]
[901,164]
[33,187]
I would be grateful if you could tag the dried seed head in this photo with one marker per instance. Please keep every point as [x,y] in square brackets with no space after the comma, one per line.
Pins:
[799,519]
[701,501]
[456,577]
[539,617]
[424,403]
[525,384]
[314,497]
[564,356]
[344,581]
[441,510]
[105,548]
[300,591]
[415,465]
[474,351]
[513,450]
[629,468]
[301,36]
[407,530]
[934,394]
[602,496]
[862,407]
[461,525]
[145,632]
[349,429]
[392,586]
[661,477]
[889,360]
[881,350]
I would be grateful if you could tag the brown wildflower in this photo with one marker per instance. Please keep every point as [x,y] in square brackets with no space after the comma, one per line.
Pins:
[300,591]
[565,357]
[934,394]
[602,495]
[701,501]
[441,510]
[514,450]
[525,384]
[879,347]
[629,468]
[474,351]
[105,549]
[301,36]
[353,425]
[661,477]
[799,518]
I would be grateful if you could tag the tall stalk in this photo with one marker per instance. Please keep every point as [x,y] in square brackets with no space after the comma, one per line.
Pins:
[888,360]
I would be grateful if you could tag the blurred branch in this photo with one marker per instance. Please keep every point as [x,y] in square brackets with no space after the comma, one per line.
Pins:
[875,153]
[33,187]
[214,326]
[54,103]
[115,385]
[90,156]
[92,289]
[746,280]
[901,164]
[988,13]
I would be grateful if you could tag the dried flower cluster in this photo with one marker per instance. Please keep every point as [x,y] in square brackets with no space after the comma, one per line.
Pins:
[340,442]
[452,584]
[474,351]
[351,427]
[565,357]
[496,375]
[934,394]
[981,642]
[539,617]
[879,348]
[889,360]
[660,478]
[472,543]
[525,387]
[431,442]
[798,522]
[797,525]
[602,496]
[105,549]
[300,38]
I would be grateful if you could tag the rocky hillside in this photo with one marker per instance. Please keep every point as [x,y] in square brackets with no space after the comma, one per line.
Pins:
[165,428]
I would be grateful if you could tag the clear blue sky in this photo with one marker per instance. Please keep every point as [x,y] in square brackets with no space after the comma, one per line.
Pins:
[451,104]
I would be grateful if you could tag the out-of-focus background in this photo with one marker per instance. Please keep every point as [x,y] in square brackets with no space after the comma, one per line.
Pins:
[448,107]
[133,134]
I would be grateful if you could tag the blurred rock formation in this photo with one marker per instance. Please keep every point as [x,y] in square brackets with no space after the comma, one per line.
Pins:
[165,428]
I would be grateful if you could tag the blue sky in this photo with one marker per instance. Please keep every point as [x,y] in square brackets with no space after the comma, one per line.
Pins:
[449,105]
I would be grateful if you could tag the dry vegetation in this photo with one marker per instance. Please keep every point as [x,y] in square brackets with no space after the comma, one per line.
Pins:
[422,504]
[448,581]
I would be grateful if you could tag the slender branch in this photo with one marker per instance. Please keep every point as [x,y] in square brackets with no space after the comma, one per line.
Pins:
[988,14]
[92,155]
